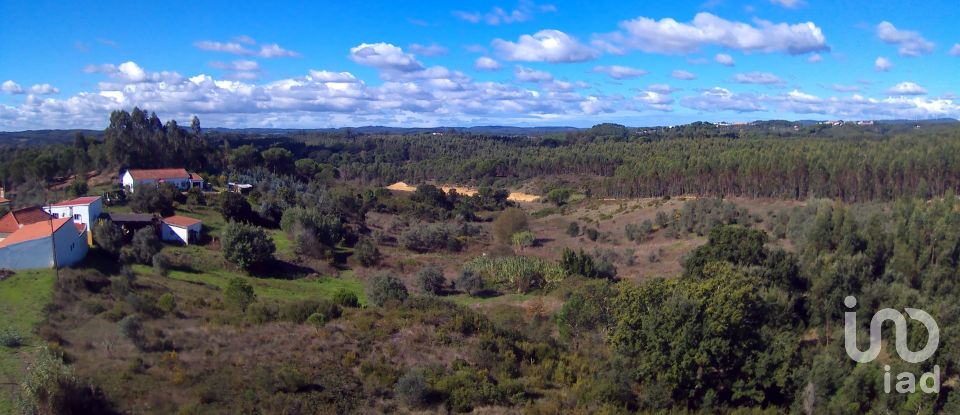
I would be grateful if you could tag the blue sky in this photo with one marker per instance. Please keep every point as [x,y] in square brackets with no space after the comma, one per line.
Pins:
[419,63]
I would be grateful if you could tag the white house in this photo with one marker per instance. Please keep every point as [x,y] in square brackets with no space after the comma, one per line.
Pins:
[181,229]
[33,245]
[83,210]
[180,178]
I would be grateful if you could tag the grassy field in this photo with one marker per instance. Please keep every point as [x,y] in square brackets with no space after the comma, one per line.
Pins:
[22,298]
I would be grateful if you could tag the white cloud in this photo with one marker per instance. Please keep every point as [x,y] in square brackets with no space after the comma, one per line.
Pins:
[237,65]
[432,49]
[547,45]
[815,58]
[882,64]
[332,77]
[668,36]
[132,72]
[247,40]
[790,4]
[683,75]
[11,87]
[762,78]
[484,63]
[44,89]
[525,11]
[655,100]
[955,50]
[845,88]
[270,50]
[721,99]
[661,88]
[620,72]
[907,88]
[724,59]
[910,43]
[524,74]
[384,56]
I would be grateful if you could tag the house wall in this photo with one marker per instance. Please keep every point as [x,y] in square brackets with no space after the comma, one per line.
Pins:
[71,246]
[30,254]
[88,215]
[130,184]
[178,234]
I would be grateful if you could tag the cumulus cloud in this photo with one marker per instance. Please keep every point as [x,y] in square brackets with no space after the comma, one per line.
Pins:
[661,88]
[724,59]
[762,78]
[909,43]
[485,63]
[620,72]
[655,100]
[955,50]
[683,75]
[11,87]
[907,88]
[790,4]
[44,89]
[237,65]
[668,36]
[269,50]
[524,74]
[384,56]
[547,45]
[845,88]
[432,49]
[497,15]
[882,64]
[721,99]
[129,72]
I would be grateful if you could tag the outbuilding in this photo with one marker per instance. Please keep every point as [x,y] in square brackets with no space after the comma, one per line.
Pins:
[181,229]
[179,177]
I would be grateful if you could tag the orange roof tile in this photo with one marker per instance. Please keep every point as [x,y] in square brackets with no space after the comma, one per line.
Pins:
[10,222]
[159,174]
[86,200]
[34,231]
[181,221]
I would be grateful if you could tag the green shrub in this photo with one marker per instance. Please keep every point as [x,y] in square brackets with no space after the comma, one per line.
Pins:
[143,247]
[240,293]
[108,237]
[167,303]
[412,388]
[246,245]
[345,298]
[509,222]
[430,238]
[469,282]
[366,253]
[131,327]
[10,337]
[161,264]
[516,272]
[573,229]
[384,288]
[430,280]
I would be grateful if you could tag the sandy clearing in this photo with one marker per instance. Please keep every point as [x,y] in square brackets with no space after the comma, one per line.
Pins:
[469,191]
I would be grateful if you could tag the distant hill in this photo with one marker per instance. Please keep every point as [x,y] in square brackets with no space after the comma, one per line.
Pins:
[378,129]
[38,137]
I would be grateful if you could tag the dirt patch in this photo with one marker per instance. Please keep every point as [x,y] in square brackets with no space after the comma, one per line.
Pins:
[469,191]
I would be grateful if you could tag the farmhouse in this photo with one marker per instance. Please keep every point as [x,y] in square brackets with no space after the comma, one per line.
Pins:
[180,229]
[54,243]
[83,211]
[14,220]
[179,177]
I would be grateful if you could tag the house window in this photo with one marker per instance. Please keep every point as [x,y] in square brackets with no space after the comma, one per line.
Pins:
[76,217]
[56,216]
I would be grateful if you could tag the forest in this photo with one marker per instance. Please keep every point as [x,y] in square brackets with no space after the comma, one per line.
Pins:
[695,269]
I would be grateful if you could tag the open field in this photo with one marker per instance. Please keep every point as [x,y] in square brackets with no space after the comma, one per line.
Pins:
[23,297]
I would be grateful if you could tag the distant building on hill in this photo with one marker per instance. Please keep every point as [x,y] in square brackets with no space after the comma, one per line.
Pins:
[179,177]
[52,243]
[181,229]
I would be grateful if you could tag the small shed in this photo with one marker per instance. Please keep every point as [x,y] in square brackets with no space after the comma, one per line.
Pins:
[181,229]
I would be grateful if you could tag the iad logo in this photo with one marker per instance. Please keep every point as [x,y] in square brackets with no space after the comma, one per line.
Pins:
[906,382]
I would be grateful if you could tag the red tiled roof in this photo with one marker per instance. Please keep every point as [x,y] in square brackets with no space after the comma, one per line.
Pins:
[80,227]
[159,174]
[86,200]
[10,222]
[33,231]
[181,221]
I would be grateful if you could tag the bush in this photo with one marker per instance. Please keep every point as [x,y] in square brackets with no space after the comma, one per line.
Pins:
[412,388]
[384,288]
[345,298]
[429,238]
[246,245]
[573,229]
[131,327]
[152,199]
[108,237]
[234,207]
[592,233]
[469,282]
[558,196]
[523,239]
[143,247]
[51,387]
[518,273]
[161,264]
[430,280]
[509,222]
[366,253]
[167,303]
[10,337]
[240,293]
[313,232]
